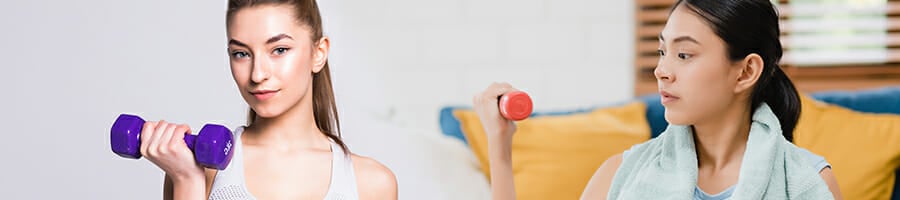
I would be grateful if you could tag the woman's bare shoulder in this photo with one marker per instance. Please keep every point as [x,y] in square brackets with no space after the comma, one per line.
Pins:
[374,180]
[599,184]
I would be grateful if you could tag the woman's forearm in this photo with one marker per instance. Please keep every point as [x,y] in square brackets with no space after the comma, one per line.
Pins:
[500,158]
[186,189]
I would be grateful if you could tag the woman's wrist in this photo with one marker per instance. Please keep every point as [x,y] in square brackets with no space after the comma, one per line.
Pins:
[188,179]
[189,187]
[500,149]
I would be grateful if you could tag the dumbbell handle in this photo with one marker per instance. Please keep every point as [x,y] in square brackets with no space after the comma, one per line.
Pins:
[189,139]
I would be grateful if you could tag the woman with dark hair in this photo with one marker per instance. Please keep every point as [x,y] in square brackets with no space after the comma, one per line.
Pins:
[731,109]
[291,147]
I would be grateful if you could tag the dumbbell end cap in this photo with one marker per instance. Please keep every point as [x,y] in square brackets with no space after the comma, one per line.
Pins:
[516,106]
[214,146]
[125,136]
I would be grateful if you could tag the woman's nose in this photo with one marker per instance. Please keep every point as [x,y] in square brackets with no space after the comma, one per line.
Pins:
[661,72]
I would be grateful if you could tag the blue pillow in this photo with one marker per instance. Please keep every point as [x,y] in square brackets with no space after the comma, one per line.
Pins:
[656,114]
[450,125]
[882,100]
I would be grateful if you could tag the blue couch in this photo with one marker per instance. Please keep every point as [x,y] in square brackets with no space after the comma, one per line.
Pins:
[882,100]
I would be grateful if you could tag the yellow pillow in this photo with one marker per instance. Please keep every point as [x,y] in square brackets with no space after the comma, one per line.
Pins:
[554,157]
[863,149]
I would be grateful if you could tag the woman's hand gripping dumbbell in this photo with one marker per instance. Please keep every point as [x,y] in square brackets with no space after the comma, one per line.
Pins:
[499,106]
[212,147]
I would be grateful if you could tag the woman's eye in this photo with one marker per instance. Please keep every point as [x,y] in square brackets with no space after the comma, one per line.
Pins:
[684,56]
[661,52]
[280,50]
[239,54]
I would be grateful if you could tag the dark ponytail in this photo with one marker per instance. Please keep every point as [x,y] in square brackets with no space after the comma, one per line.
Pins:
[778,91]
[748,27]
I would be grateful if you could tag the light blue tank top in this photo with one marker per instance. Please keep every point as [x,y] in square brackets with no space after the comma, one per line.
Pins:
[229,183]
[817,161]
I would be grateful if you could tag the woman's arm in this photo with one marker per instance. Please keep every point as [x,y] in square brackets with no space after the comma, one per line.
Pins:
[499,133]
[500,158]
[828,176]
[598,187]
[187,189]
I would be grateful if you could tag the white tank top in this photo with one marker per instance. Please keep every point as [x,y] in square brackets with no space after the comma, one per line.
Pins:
[229,183]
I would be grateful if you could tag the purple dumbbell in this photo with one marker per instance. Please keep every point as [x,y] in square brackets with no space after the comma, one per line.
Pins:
[212,147]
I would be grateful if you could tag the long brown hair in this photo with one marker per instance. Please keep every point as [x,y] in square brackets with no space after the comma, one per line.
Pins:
[324,108]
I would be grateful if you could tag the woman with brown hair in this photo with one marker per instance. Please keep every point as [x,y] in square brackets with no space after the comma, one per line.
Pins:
[291,147]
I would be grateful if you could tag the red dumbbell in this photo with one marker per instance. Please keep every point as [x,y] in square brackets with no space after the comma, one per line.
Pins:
[515,105]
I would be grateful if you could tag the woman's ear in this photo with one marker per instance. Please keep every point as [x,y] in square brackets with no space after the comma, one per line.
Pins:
[320,54]
[750,70]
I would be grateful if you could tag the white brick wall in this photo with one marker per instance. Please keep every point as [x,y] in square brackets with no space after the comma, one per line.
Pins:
[402,60]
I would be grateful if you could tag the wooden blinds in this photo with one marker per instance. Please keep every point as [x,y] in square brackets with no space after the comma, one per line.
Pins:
[827,45]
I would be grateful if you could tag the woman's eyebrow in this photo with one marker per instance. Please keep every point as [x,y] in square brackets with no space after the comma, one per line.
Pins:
[278,37]
[237,43]
[685,39]
[273,39]
[680,39]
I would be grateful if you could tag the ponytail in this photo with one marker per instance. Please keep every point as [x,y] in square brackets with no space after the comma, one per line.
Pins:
[779,93]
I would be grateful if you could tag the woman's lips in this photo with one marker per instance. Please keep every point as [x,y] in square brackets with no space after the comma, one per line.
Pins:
[262,95]
[667,97]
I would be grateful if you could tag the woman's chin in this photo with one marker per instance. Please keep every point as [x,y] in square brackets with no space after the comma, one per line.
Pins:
[265,112]
[676,118]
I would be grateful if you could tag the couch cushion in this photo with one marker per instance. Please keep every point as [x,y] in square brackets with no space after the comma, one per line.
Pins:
[554,156]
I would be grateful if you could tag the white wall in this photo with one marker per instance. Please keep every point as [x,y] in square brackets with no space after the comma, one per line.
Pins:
[420,55]
[72,66]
